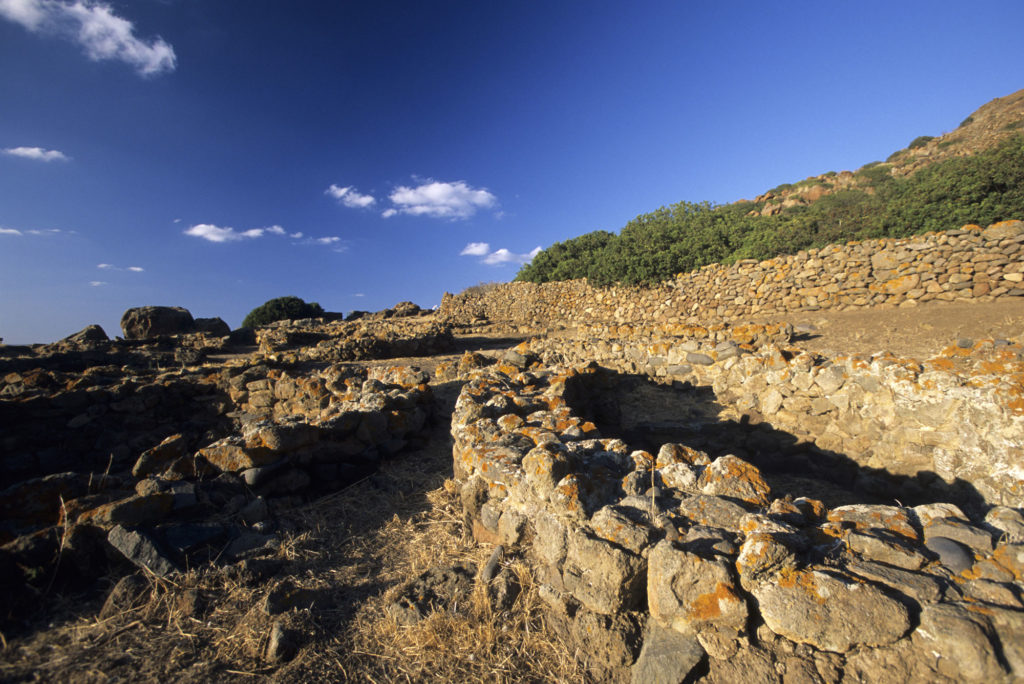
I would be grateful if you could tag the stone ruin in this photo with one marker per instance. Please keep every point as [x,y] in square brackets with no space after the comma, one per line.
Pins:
[695,500]
[673,560]
[170,451]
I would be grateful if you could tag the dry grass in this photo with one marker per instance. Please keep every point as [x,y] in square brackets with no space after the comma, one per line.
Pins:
[352,549]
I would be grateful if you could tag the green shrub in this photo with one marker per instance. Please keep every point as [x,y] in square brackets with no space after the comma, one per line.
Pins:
[983,188]
[280,309]
[920,141]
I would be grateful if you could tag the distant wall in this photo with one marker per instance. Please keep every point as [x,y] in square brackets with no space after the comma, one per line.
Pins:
[969,264]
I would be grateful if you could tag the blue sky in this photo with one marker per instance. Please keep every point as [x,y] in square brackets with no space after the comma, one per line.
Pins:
[217,154]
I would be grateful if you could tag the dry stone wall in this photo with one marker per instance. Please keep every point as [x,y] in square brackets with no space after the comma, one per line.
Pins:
[668,564]
[969,264]
[136,459]
[950,426]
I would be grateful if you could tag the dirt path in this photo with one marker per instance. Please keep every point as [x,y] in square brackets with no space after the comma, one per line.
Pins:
[916,332]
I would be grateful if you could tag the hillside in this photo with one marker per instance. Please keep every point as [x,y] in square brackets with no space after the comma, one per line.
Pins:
[973,174]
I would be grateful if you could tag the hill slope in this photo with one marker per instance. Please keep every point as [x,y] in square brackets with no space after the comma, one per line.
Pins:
[974,174]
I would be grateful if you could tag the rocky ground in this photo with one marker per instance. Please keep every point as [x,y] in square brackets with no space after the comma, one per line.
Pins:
[330,600]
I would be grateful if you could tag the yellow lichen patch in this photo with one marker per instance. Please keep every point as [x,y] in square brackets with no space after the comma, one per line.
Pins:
[709,606]
[554,402]
[800,579]
[1010,558]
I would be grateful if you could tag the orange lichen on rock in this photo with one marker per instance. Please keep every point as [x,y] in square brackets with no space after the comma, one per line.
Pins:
[709,606]
[800,579]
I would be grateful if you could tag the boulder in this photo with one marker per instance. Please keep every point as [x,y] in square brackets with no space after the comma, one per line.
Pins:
[215,327]
[145,322]
[695,595]
[90,333]
[667,656]
[830,611]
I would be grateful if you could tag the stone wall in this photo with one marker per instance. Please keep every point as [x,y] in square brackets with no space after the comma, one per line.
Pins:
[949,427]
[969,264]
[671,562]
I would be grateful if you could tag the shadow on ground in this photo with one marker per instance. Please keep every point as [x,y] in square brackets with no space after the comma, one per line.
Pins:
[646,414]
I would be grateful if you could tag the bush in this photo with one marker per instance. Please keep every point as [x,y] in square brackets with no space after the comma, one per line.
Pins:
[280,309]
[920,141]
[983,188]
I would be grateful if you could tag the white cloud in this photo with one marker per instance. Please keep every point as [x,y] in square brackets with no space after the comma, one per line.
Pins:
[93,25]
[350,197]
[208,231]
[498,256]
[36,153]
[212,233]
[359,294]
[440,200]
[47,231]
[97,283]
[388,213]
[475,249]
[112,267]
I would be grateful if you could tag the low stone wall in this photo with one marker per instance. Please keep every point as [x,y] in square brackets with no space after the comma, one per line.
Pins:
[206,461]
[969,264]
[669,563]
[309,340]
[950,426]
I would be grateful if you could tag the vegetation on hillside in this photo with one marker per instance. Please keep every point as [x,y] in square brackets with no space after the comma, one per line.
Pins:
[280,309]
[982,189]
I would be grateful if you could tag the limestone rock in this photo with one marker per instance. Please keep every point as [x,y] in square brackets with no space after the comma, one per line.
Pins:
[694,595]
[667,656]
[734,478]
[830,611]
[603,577]
[960,639]
[714,511]
[1003,229]
[1008,521]
[918,586]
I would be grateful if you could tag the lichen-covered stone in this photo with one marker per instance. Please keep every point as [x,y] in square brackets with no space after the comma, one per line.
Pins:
[829,611]
[603,577]
[695,595]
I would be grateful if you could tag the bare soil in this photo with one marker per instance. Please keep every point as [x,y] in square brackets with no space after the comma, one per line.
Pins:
[353,548]
[918,332]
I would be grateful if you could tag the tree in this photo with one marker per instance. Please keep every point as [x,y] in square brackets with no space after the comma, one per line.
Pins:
[280,309]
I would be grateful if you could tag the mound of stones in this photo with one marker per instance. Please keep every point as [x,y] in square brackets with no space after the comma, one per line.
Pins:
[112,460]
[667,565]
[146,322]
[354,340]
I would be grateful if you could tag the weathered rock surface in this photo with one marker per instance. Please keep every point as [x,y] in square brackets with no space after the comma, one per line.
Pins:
[152,321]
